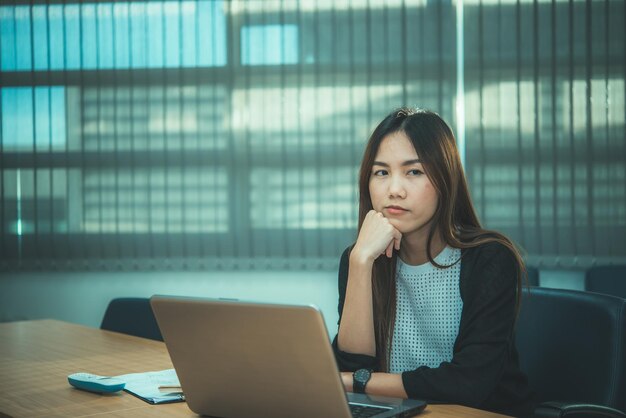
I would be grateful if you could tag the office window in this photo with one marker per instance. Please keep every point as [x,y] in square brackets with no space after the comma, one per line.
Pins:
[33,118]
[228,134]
[200,134]
[546,156]
[120,35]
[269,45]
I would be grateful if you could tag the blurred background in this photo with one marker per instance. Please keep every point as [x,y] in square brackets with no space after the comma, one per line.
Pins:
[211,147]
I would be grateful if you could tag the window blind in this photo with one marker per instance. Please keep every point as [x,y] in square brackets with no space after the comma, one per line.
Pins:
[227,134]
[546,154]
[202,134]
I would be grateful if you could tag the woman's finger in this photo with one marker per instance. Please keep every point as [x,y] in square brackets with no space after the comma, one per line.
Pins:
[389,250]
[397,240]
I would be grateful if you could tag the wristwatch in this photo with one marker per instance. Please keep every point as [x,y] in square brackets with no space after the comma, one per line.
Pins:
[360,379]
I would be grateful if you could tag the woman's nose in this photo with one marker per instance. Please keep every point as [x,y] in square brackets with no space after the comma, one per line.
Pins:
[396,188]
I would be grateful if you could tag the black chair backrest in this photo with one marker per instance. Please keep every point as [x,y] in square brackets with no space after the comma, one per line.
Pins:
[131,316]
[572,345]
[533,276]
[610,280]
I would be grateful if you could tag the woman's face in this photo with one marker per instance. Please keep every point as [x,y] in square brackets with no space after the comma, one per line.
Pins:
[399,187]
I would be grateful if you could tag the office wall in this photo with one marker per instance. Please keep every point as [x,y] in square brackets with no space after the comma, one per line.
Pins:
[81,297]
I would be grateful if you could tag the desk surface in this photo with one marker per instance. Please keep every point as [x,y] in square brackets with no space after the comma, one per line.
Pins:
[37,356]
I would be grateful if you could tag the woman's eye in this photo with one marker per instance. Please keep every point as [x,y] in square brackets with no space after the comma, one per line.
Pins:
[415,172]
[380,173]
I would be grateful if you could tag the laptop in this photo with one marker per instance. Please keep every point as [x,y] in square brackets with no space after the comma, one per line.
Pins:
[238,359]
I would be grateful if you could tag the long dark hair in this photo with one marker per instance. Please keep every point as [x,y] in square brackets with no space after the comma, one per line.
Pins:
[455,218]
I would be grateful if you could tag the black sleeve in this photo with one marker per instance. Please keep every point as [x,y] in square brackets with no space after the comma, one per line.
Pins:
[348,362]
[483,346]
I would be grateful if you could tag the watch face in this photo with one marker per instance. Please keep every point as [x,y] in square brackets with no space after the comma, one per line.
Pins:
[362,375]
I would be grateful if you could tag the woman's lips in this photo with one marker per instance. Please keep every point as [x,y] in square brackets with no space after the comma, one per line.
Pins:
[395,210]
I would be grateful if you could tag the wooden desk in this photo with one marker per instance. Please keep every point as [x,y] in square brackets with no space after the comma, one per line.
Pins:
[37,356]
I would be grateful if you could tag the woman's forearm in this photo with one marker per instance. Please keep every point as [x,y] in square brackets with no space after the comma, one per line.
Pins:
[381,384]
[356,331]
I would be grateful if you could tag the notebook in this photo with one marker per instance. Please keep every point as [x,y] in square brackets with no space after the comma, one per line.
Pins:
[243,359]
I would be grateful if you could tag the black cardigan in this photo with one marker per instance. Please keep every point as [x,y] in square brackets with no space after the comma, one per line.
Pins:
[484,372]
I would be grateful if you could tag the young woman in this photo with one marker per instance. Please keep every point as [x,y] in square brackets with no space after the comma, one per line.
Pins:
[427,298]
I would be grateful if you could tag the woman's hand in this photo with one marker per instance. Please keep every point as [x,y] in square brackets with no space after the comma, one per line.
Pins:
[377,236]
[356,330]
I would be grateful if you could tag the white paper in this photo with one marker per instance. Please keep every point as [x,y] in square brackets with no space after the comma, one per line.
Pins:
[146,385]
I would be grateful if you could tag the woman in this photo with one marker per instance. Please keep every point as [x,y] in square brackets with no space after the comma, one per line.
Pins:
[427,298]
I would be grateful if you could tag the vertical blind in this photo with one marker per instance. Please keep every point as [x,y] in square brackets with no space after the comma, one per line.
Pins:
[201,134]
[228,134]
[546,147]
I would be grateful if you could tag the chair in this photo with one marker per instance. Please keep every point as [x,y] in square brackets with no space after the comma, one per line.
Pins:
[131,316]
[533,276]
[572,346]
[610,280]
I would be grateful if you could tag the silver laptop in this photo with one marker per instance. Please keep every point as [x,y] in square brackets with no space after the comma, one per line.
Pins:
[242,359]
